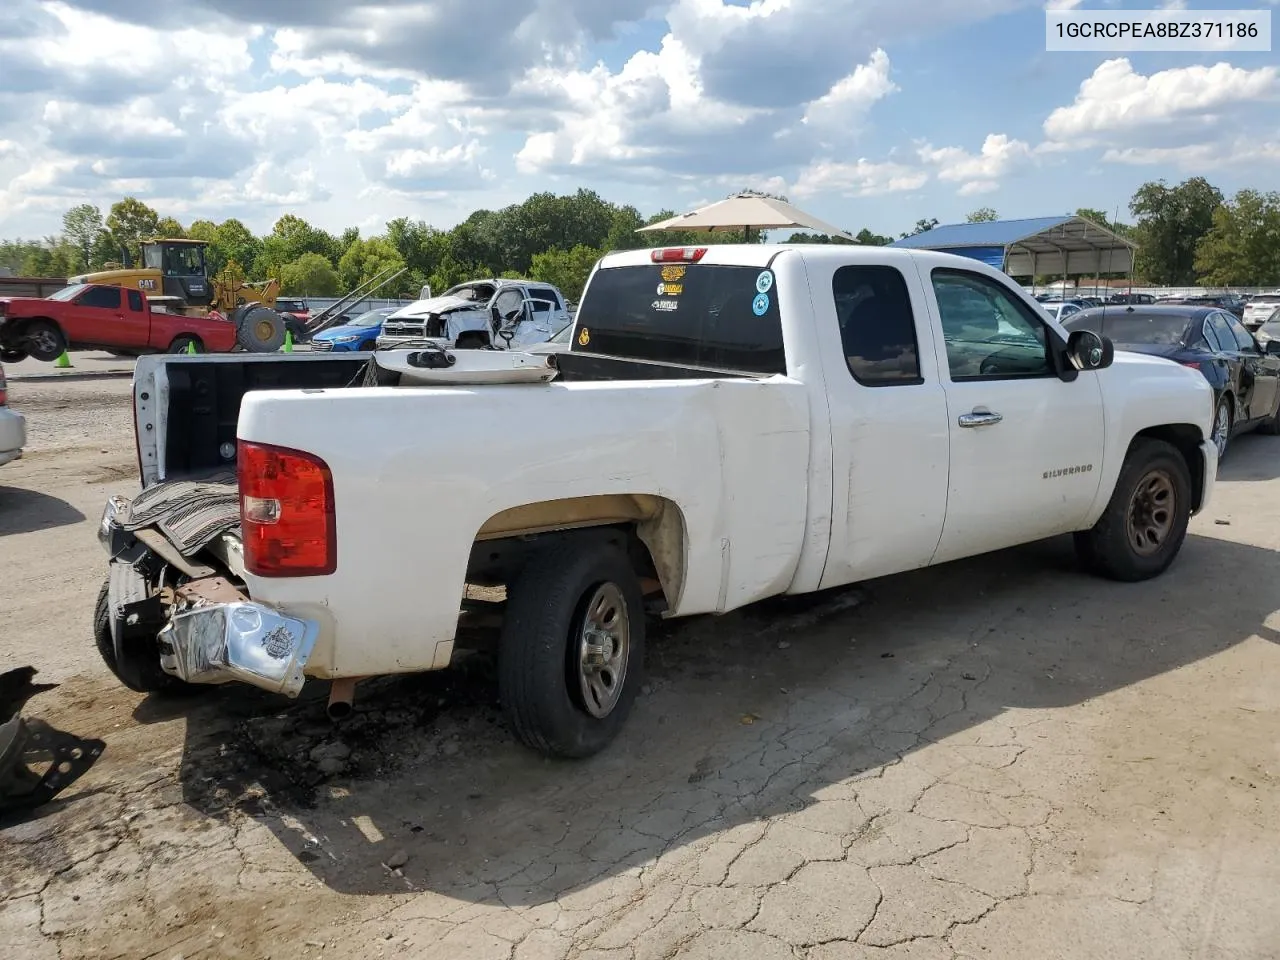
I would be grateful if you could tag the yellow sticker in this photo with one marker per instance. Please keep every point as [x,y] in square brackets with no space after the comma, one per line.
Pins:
[584,336]
[671,274]
[673,289]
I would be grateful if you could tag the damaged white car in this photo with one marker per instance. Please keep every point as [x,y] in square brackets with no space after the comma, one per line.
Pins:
[727,424]
[502,314]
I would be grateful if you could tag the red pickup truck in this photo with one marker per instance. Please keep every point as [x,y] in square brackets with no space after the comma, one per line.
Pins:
[96,316]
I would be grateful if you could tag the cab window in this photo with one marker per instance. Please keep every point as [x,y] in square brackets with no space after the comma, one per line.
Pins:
[989,334]
[135,301]
[877,328]
[107,298]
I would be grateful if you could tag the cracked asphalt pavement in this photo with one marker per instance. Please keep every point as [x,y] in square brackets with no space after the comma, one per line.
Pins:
[999,758]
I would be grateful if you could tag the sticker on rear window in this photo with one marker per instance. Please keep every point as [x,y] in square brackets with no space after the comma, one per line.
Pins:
[584,336]
[670,289]
[666,305]
[764,282]
[671,273]
[760,305]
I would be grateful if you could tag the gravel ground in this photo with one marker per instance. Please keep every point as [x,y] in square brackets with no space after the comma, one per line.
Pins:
[1000,758]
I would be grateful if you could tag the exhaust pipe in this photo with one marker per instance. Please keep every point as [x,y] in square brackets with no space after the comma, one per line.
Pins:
[341,692]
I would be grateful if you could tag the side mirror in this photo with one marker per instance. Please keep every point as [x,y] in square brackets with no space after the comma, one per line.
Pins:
[1088,351]
[1272,348]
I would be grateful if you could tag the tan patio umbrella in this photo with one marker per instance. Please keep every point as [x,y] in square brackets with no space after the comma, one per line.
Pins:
[745,212]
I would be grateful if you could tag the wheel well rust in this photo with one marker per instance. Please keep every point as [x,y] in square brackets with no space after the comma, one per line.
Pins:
[653,527]
[1186,437]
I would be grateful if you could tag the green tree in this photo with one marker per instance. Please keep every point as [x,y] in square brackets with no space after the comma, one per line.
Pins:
[1170,224]
[81,226]
[1100,217]
[366,259]
[106,253]
[170,229]
[566,269]
[289,239]
[1242,247]
[920,227]
[869,239]
[131,221]
[311,275]
[981,215]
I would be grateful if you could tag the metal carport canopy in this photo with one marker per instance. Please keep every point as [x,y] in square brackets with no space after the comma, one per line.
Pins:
[1040,245]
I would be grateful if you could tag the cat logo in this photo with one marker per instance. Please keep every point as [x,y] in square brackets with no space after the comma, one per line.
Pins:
[584,337]
[146,284]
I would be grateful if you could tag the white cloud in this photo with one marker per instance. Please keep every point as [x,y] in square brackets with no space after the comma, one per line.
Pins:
[850,98]
[861,178]
[1200,157]
[1062,4]
[1116,99]
[980,172]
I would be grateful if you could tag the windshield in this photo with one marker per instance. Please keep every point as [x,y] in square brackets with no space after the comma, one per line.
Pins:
[370,319]
[701,315]
[68,293]
[477,292]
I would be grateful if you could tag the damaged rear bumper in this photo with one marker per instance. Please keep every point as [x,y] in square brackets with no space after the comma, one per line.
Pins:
[238,640]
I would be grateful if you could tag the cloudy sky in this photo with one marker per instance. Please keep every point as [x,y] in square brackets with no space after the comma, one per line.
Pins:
[868,112]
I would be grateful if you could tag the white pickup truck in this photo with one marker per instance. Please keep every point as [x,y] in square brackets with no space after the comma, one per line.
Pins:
[730,423]
[503,314]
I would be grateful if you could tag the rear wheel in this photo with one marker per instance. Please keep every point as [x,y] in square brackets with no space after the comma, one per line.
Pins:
[183,343]
[12,356]
[152,679]
[1145,523]
[572,647]
[43,340]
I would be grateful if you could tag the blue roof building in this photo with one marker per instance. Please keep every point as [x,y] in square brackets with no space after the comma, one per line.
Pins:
[1065,245]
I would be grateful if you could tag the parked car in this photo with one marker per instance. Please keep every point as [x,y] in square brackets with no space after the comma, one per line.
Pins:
[1060,310]
[357,333]
[1244,373]
[507,314]
[730,423]
[13,426]
[1229,302]
[97,316]
[1130,298]
[1259,309]
[1269,329]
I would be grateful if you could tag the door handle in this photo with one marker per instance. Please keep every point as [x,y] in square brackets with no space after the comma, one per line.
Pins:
[979,418]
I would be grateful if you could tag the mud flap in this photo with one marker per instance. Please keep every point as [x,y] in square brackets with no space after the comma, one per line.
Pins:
[27,742]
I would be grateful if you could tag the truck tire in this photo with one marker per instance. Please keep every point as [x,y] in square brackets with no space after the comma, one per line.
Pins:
[181,343]
[43,340]
[259,329]
[154,679]
[1145,523]
[12,356]
[572,647]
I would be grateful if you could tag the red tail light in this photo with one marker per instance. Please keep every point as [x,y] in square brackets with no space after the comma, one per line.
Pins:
[1193,364]
[286,512]
[678,254]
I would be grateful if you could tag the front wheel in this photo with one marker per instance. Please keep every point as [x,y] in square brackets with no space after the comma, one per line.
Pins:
[1145,523]
[44,341]
[1222,426]
[572,647]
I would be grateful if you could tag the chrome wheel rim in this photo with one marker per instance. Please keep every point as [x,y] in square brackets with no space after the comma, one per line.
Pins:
[604,647]
[1222,428]
[1151,513]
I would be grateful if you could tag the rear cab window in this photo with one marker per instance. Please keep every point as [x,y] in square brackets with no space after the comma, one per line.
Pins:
[877,327]
[704,315]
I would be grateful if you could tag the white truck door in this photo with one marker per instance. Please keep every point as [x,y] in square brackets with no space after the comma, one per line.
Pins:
[888,415]
[1026,447]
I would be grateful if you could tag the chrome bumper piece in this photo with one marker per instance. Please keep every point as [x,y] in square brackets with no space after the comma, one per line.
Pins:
[221,642]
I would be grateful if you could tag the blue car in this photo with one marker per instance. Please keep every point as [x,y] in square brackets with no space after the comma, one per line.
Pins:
[359,333]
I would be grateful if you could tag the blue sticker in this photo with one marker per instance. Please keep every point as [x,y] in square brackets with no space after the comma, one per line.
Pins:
[764,282]
[760,305]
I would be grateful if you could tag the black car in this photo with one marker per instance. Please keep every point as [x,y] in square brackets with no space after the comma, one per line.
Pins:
[1130,298]
[1244,374]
